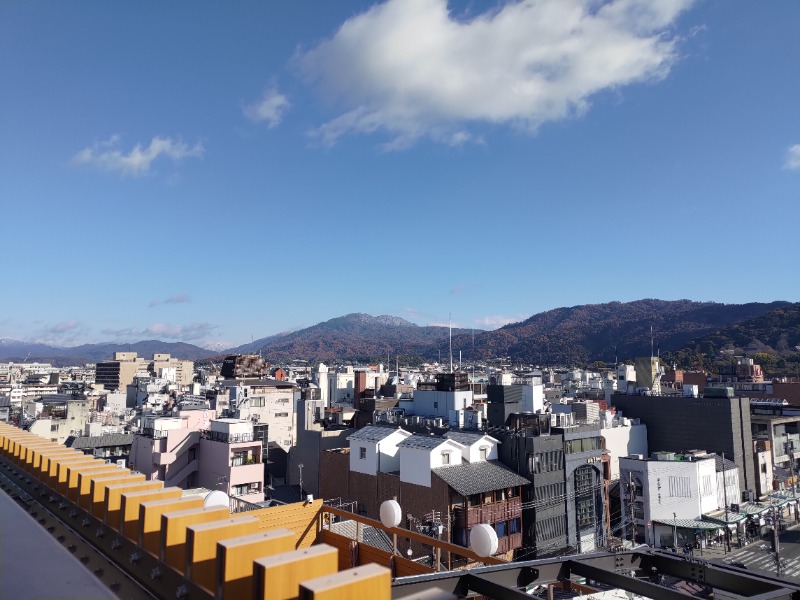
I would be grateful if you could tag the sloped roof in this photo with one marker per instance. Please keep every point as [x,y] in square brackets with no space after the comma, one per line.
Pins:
[479,477]
[729,464]
[100,441]
[425,441]
[373,433]
[468,438]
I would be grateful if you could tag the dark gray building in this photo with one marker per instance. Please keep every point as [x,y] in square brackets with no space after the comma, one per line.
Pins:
[718,422]
[504,400]
[528,447]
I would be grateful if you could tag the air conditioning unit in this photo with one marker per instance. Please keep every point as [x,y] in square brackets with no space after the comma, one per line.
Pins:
[120,463]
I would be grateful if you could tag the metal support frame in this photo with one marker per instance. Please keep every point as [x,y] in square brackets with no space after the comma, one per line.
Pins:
[631,571]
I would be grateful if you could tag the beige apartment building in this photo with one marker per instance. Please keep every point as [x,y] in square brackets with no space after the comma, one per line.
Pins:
[118,373]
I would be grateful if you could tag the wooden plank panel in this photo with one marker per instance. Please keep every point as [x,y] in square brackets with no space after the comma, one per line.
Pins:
[235,560]
[278,577]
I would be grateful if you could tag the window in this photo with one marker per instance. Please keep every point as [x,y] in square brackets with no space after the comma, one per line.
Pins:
[514,526]
[483,453]
[54,427]
[585,512]
[239,490]
[501,529]
[445,458]
[281,414]
[362,453]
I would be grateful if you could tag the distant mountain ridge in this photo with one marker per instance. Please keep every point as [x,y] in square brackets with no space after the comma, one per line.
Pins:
[563,336]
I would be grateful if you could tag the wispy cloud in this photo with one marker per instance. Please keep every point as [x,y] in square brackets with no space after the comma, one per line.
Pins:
[410,69]
[191,331]
[109,157]
[793,158]
[174,299]
[495,321]
[270,109]
[63,332]
[457,289]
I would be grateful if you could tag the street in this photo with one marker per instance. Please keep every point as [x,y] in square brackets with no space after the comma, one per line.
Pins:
[758,556]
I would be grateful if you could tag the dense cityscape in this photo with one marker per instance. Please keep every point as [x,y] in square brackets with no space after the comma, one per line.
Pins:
[546,461]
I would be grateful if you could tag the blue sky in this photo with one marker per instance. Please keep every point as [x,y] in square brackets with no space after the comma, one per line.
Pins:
[212,172]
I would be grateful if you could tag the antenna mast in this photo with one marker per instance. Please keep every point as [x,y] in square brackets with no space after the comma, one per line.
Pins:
[450,323]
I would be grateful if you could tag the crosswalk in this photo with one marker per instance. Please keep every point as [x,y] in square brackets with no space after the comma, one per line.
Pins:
[761,559]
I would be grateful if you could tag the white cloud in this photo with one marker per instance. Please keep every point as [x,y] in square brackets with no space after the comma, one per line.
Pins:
[107,155]
[793,158]
[495,321]
[411,69]
[270,109]
[190,331]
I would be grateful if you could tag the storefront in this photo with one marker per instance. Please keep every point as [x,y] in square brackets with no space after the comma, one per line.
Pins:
[694,534]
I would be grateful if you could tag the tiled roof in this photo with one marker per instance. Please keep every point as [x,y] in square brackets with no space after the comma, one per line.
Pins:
[100,441]
[467,438]
[372,433]
[475,478]
[423,441]
[369,535]
[729,464]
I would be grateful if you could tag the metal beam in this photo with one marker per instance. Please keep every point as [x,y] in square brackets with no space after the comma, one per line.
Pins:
[618,580]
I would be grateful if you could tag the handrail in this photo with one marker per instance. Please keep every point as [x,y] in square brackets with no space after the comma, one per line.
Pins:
[413,535]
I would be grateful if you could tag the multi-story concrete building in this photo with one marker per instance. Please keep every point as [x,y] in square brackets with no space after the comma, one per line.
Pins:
[265,401]
[118,373]
[61,416]
[191,449]
[660,494]
[718,422]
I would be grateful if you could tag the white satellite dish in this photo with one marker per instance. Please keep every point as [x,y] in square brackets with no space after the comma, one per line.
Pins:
[391,514]
[483,540]
[217,498]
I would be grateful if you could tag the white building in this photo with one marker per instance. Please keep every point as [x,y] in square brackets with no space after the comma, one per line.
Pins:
[375,449]
[622,437]
[666,489]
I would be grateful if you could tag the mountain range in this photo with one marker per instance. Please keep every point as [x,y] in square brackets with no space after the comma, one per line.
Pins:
[563,336]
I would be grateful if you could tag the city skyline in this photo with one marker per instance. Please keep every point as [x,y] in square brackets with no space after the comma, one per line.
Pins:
[217,174]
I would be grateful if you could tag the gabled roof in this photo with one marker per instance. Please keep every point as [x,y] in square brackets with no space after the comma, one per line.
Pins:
[728,464]
[468,438]
[479,477]
[425,441]
[373,433]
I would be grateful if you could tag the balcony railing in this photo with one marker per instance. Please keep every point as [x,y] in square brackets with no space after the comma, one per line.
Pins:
[488,513]
[226,438]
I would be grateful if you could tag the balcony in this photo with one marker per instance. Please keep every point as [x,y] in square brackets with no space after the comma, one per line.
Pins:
[509,542]
[488,513]
[226,438]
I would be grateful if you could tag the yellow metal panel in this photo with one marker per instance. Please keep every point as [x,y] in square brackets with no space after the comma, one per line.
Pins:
[201,547]
[85,484]
[173,532]
[97,496]
[150,519]
[62,472]
[52,470]
[73,477]
[113,498]
[129,508]
[278,577]
[235,558]
[47,457]
[367,581]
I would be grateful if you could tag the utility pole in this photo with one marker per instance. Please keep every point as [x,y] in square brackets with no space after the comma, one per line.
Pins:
[725,495]
[776,541]
[632,506]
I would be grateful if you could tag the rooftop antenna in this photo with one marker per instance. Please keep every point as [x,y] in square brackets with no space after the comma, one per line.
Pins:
[450,323]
